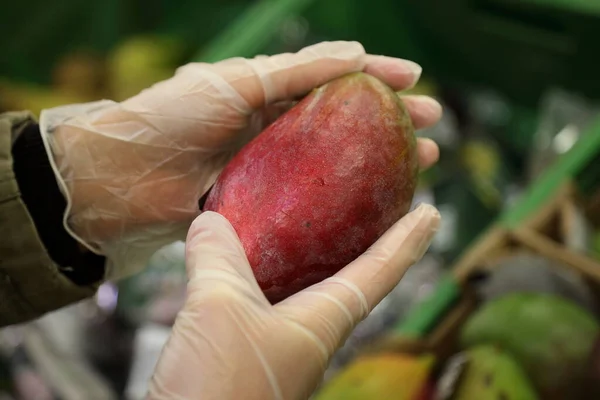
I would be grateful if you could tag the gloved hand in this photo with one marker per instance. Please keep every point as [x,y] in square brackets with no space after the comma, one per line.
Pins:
[230,343]
[132,173]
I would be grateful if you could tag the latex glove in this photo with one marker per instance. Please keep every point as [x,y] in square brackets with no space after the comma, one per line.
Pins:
[229,342]
[132,173]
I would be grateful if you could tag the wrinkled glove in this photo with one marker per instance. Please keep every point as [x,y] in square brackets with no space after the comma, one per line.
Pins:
[133,172]
[229,342]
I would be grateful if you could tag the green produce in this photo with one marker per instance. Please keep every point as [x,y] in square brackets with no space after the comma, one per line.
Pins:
[491,374]
[550,337]
[380,377]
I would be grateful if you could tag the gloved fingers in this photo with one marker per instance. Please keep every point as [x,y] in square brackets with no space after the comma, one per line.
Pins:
[332,308]
[381,267]
[399,74]
[214,254]
[428,151]
[289,75]
[266,79]
[424,110]
[209,102]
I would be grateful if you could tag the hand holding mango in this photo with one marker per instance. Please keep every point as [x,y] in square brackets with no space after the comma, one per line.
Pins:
[133,172]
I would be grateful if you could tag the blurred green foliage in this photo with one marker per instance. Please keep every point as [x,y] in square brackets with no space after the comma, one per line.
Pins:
[518,47]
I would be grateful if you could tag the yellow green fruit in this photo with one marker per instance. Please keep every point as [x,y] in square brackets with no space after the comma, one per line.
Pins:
[140,62]
[492,374]
[380,377]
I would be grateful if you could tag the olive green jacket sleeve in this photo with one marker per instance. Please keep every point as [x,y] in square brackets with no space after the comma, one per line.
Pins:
[30,283]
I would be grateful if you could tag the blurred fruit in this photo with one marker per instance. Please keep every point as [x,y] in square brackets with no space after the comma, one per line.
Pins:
[81,74]
[141,61]
[482,161]
[77,78]
[528,272]
[491,374]
[550,337]
[16,96]
[379,377]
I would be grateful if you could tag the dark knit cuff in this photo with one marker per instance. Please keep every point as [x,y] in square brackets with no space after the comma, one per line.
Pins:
[46,205]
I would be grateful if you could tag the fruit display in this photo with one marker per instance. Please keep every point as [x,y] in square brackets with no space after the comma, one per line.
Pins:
[549,336]
[519,346]
[531,333]
[83,76]
[313,213]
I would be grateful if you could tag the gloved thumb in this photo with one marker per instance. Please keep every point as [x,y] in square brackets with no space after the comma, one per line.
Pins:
[191,365]
[214,252]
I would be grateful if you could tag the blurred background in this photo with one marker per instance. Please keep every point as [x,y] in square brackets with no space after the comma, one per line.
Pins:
[504,304]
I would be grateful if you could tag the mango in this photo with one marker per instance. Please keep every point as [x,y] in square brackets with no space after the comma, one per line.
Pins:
[550,337]
[321,184]
[380,377]
[492,374]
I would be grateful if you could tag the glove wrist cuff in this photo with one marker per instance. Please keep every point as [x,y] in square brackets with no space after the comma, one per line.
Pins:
[46,129]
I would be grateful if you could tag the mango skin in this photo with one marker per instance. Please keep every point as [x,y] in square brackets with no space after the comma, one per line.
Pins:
[321,184]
